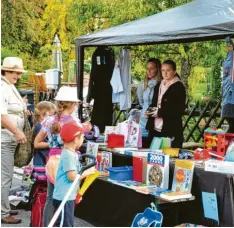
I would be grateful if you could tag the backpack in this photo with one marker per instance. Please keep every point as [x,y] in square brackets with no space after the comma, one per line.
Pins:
[37,204]
[149,218]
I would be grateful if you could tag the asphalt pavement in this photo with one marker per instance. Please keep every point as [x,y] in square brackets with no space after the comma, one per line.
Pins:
[25,215]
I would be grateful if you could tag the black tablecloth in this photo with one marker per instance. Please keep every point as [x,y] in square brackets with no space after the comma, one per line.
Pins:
[223,185]
[106,204]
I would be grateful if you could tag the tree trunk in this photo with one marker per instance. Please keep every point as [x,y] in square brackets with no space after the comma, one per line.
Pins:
[185,70]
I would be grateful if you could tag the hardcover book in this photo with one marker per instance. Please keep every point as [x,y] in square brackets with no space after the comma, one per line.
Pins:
[183,176]
[139,168]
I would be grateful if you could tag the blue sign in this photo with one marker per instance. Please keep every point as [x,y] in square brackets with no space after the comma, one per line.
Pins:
[210,206]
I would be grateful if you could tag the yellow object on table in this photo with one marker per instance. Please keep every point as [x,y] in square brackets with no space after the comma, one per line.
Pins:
[173,152]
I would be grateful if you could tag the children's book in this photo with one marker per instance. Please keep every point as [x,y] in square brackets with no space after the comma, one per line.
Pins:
[130,184]
[152,190]
[104,160]
[123,149]
[92,148]
[175,195]
[160,143]
[183,176]
[166,143]
[156,143]
[157,172]
[139,168]
[142,153]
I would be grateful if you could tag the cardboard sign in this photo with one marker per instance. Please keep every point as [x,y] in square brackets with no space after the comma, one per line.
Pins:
[210,206]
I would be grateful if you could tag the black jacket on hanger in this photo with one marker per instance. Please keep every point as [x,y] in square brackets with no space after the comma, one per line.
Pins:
[100,88]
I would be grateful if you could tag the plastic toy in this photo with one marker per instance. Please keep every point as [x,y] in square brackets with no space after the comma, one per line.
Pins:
[217,142]
[74,184]
[201,154]
[88,181]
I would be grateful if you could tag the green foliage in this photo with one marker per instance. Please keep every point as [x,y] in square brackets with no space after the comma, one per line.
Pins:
[29,27]
[5,52]
[197,82]
[216,79]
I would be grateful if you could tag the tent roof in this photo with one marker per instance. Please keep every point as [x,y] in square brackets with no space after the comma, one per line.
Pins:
[195,21]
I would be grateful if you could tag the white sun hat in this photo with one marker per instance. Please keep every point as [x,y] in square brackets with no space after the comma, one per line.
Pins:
[13,64]
[67,93]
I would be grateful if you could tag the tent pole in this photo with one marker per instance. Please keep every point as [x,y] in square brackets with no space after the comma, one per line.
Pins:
[80,76]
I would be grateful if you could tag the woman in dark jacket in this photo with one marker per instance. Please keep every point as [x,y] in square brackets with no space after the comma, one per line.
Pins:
[168,106]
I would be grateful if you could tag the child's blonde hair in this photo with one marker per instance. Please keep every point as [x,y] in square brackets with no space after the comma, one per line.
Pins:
[61,106]
[42,109]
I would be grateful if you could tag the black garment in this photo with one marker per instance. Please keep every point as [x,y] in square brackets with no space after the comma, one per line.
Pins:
[100,88]
[231,125]
[153,133]
[172,110]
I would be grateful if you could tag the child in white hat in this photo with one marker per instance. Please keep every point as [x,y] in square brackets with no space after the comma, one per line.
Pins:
[66,101]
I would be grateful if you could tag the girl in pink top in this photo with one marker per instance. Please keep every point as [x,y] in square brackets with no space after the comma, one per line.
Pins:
[66,103]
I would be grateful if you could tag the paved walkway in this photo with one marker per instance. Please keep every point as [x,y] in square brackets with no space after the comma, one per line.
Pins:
[25,215]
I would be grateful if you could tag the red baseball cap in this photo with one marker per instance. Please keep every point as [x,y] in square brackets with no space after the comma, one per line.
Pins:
[70,130]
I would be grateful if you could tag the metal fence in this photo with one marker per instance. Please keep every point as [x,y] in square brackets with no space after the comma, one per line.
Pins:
[198,116]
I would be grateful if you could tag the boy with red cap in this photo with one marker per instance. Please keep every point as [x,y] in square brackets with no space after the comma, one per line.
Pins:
[72,134]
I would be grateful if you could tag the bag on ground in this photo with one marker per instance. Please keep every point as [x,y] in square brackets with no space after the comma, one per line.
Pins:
[38,201]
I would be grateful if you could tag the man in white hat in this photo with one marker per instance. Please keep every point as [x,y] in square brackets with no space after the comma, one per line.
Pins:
[12,124]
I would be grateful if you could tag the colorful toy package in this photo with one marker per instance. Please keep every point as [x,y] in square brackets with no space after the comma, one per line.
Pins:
[92,148]
[104,160]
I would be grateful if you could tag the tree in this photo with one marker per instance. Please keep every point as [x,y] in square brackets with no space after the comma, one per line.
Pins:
[29,27]
[18,23]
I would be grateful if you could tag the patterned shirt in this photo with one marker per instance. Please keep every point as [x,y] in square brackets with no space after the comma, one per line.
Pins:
[55,140]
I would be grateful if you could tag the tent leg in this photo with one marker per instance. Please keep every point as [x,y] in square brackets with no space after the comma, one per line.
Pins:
[80,76]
